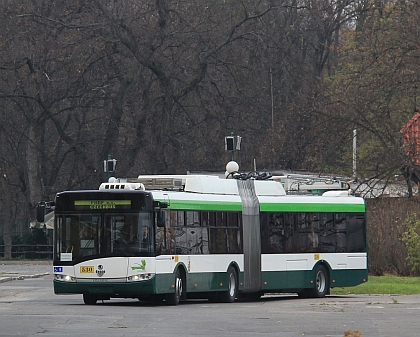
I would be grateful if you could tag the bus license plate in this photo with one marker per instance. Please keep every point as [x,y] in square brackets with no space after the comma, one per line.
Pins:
[87,269]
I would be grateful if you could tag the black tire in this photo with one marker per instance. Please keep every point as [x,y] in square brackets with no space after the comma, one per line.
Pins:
[175,297]
[89,299]
[230,294]
[322,283]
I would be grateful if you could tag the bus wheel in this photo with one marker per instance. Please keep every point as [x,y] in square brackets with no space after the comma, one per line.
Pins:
[174,298]
[321,282]
[229,296]
[89,299]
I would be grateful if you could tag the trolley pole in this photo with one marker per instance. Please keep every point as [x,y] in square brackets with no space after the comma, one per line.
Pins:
[230,144]
[354,155]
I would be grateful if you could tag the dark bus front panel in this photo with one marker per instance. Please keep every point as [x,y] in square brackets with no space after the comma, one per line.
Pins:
[97,224]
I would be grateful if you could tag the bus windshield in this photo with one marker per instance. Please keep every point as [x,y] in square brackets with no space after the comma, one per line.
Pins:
[91,235]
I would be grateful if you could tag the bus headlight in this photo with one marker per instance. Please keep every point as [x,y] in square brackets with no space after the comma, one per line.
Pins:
[64,278]
[140,277]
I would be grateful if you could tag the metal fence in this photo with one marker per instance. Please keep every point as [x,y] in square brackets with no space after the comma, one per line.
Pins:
[30,251]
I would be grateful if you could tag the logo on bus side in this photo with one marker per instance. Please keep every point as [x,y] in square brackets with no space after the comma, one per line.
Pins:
[100,271]
[141,266]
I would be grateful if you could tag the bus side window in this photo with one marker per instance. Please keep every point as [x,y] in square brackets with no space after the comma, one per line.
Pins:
[356,236]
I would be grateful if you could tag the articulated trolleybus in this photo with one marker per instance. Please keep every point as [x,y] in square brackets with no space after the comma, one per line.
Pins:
[201,236]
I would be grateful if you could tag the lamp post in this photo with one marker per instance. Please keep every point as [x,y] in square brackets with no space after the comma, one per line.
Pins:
[230,144]
[109,166]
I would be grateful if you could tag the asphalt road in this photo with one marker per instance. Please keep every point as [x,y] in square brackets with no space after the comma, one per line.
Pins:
[29,307]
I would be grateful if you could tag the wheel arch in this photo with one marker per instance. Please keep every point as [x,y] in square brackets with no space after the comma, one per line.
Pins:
[323,263]
[234,265]
[182,267]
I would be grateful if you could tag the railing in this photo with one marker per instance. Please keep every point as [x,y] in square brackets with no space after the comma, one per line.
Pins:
[30,251]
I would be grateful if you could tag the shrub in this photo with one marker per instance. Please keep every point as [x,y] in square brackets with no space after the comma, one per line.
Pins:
[410,238]
[385,218]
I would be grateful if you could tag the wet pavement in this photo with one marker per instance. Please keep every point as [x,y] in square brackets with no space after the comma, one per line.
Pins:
[19,270]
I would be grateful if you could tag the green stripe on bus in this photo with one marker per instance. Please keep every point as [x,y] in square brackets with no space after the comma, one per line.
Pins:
[315,207]
[264,207]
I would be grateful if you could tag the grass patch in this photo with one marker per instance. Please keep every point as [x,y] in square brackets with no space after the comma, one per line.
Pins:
[387,284]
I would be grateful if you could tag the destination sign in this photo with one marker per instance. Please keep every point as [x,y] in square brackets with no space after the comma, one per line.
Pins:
[102,204]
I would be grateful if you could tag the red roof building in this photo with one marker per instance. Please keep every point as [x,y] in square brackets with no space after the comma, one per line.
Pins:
[411,139]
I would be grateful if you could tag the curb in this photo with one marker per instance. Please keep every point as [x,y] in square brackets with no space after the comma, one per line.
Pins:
[21,277]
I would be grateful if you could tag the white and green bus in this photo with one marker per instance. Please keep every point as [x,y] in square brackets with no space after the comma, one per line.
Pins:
[180,237]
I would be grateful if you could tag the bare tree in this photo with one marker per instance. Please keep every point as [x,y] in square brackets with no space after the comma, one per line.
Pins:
[375,89]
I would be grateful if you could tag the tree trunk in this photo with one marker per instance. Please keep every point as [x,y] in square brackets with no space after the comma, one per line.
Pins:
[7,215]
[33,170]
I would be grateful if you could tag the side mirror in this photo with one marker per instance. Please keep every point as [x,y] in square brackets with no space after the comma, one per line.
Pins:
[40,211]
[43,208]
[160,218]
